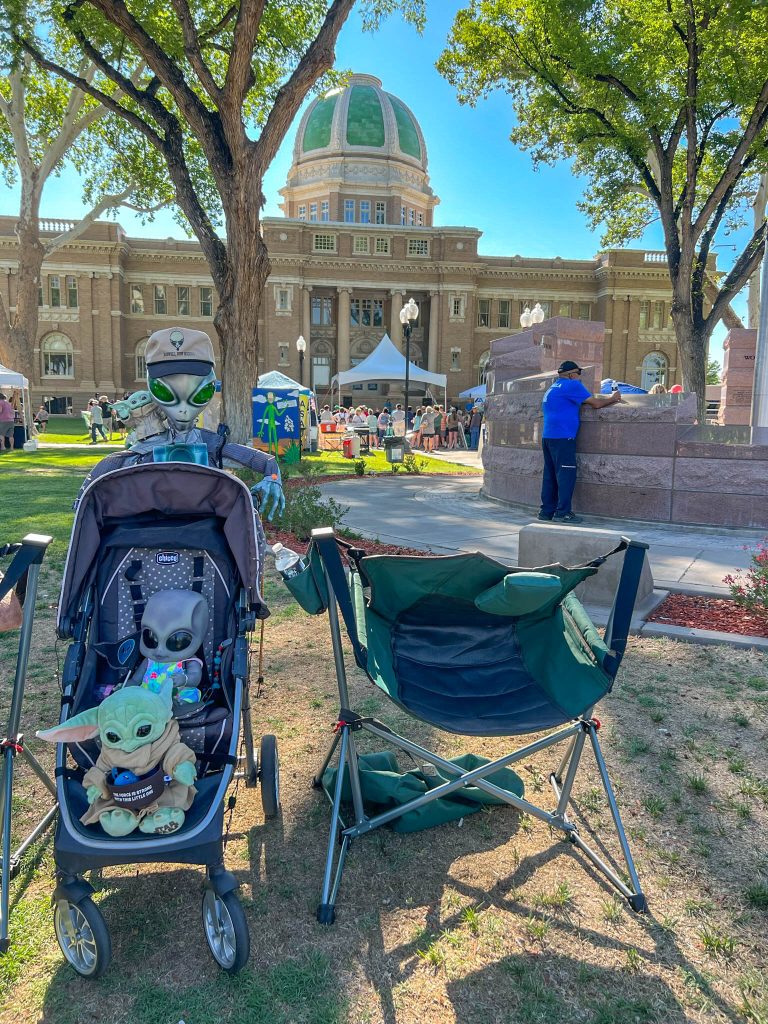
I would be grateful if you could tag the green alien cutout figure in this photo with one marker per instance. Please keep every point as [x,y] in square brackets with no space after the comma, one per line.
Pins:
[273,409]
[138,735]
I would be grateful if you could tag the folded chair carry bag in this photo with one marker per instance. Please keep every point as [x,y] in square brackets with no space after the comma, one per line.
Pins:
[471,646]
[309,587]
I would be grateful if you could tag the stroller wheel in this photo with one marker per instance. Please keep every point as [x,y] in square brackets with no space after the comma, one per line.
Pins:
[226,930]
[269,773]
[83,936]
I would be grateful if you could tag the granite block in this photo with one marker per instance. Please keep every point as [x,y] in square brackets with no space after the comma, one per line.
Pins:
[735,415]
[624,502]
[716,509]
[722,476]
[625,470]
[739,377]
[740,338]
[635,437]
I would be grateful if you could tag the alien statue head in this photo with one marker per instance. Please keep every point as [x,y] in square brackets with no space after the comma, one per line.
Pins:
[180,374]
[173,625]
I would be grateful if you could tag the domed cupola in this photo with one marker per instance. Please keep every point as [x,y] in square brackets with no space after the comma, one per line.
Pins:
[359,157]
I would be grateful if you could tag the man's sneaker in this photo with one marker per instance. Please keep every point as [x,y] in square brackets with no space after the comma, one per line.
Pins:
[544,517]
[569,517]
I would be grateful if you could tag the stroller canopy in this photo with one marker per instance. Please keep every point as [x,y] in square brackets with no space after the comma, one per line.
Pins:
[182,490]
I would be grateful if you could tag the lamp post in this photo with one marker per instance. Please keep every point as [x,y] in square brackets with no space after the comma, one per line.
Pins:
[408,314]
[301,348]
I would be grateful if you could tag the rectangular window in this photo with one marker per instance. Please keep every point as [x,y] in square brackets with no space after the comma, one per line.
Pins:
[585,311]
[40,295]
[282,300]
[546,305]
[72,291]
[457,307]
[378,312]
[321,371]
[313,212]
[418,247]
[381,213]
[349,211]
[503,316]
[206,301]
[360,244]
[365,312]
[283,350]
[658,315]
[58,364]
[365,211]
[54,285]
[403,213]
[421,220]
[645,315]
[302,212]
[322,311]
[161,300]
[411,217]
[183,304]
[382,246]
[324,211]
[137,299]
[354,312]
[324,243]
[563,309]
[484,313]
[455,357]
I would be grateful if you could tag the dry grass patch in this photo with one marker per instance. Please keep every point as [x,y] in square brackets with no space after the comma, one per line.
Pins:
[493,921]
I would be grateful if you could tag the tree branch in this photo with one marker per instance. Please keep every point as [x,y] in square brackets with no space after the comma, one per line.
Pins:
[193,52]
[740,273]
[107,202]
[239,77]
[317,60]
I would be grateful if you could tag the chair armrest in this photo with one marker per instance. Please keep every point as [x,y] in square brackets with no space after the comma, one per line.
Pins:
[620,619]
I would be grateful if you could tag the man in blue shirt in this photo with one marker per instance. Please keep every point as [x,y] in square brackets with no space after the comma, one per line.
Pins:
[562,404]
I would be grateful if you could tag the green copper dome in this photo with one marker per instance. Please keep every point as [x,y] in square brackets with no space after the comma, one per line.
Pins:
[360,116]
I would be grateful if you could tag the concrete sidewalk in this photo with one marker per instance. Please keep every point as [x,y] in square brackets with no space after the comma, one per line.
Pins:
[449,515]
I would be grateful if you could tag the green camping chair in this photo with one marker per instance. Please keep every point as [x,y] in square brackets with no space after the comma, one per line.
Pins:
[471,646]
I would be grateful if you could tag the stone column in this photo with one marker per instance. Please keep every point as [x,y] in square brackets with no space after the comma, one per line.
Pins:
[738,376]
[306,313]
[342,331]
[434,319]
[395,327]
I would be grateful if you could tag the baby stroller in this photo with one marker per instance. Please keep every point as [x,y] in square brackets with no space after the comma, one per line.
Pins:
[137,531]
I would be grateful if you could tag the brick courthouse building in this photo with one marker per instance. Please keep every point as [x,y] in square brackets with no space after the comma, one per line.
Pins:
[358,239]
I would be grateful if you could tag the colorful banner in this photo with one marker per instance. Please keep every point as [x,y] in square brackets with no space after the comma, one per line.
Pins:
[304,410]
[276,421]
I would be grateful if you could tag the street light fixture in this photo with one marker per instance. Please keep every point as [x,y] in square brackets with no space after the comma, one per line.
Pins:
[537,314]
[525,317]
[408,314]
[301,348]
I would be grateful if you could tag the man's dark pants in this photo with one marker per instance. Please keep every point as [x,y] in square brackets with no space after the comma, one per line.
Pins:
[559,475]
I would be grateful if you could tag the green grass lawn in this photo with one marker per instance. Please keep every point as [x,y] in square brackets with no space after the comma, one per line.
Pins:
[334,462]
[67,430]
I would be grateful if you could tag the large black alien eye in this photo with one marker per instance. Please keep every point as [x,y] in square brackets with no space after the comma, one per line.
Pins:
[112,737]
[179,641]
[144,730]
[149,639]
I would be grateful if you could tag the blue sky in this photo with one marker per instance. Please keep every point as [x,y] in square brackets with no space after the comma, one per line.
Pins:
[482,179]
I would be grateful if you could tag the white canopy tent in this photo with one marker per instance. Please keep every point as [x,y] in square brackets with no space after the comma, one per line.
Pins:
[12,380]
[387,363]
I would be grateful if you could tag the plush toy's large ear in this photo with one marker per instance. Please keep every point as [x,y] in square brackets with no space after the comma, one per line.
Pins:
[75,730]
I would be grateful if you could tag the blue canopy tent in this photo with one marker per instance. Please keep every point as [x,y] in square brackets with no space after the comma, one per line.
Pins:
[609,384]
[476,393]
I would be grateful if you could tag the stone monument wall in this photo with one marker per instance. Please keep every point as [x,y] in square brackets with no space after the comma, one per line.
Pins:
[642,459]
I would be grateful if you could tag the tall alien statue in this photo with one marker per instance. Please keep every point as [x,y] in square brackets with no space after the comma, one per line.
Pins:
[181,382]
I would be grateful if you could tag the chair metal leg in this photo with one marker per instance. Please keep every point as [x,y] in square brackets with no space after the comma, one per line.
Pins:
[326,913]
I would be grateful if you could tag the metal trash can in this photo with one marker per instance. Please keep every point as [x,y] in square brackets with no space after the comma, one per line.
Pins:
[350,446]
[394,449]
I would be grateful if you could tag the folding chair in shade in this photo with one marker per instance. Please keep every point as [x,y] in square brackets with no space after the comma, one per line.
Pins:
[470,646]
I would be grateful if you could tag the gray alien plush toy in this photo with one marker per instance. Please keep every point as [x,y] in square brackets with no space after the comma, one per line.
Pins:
[173,628]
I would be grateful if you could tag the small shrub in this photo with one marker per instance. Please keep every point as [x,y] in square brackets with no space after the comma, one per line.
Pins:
[413,465]
[750,589]
[757,895]
[359,467]
[306,509]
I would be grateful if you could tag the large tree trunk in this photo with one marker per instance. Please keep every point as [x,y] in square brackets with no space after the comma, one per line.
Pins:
[237,318]
[692,346]
[18,330]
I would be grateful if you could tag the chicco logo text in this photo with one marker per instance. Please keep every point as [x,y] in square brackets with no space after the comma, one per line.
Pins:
[167,557]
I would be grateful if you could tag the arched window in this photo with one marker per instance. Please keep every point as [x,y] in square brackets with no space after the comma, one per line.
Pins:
[58,356]
[141,362]
[482,366]
[655,366]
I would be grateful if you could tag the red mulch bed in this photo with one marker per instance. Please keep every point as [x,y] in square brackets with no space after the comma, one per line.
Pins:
[710,613]
[369,546]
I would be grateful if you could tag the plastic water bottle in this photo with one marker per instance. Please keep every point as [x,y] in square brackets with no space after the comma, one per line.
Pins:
[288,563]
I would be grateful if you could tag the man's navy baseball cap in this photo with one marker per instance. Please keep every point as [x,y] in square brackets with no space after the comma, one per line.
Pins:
[568,367]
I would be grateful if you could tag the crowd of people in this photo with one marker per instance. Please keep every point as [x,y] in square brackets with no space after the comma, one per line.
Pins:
[428,428]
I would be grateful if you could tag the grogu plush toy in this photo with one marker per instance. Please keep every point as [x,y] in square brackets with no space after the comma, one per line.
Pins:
[173,627]
[144,776]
